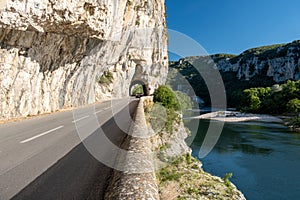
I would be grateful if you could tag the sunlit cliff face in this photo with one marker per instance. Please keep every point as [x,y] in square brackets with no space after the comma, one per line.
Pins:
[53,54]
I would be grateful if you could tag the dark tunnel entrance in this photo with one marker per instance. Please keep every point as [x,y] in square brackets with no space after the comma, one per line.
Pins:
[138,88]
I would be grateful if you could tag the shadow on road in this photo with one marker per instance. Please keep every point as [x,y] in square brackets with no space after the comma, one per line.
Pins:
[78,175]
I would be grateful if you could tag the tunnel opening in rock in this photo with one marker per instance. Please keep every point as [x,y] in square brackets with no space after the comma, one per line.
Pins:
[138,89]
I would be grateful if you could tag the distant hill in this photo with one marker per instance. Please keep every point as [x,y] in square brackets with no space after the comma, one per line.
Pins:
[257,67]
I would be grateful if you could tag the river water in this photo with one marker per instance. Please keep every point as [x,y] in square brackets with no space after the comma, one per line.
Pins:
[263,157]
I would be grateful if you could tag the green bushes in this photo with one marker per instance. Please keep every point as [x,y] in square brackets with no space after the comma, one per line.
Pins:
[234,86]
[293,105]
[106,78]
[294,122]
[166,97]
[188,158]
[169,175]
[252,99]
[226,179]
[169,99]
[172,116]
[263,53]
[276,100]
[172,102]
[138,89]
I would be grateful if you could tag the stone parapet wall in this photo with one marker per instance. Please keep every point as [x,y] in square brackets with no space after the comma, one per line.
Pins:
[138,180]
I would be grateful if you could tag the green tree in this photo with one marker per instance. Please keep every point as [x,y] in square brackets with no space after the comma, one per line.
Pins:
[293,105]
[254,103]
[289,90]
[138,89]
[166,96]
[250,100]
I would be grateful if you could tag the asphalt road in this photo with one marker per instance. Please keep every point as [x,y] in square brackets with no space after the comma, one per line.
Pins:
[46,157]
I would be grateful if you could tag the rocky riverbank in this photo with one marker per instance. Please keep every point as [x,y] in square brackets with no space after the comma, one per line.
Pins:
[182,176]
[179,175]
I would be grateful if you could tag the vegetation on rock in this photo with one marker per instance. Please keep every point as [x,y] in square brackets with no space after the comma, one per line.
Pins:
[162,114]
[234,87]
[167,107]
[185,179]
[138,89]
[106,78]
[257,67]
[226,179]
[278,99]
[166,97]
[181,175]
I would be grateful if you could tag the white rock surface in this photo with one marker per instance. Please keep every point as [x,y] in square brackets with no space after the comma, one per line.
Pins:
[52,53]
[281,63]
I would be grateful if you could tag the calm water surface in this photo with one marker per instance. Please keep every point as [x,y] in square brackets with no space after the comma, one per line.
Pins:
[263,157]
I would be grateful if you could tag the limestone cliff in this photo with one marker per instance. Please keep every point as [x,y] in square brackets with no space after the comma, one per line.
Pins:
[281,62]
[55,54]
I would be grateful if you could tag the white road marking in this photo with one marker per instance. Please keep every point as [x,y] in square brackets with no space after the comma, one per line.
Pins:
[40,135]
[102,110]
[80,119]
[110,107]
[98,111]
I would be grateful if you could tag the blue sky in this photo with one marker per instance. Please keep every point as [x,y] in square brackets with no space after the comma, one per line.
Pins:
[232,26]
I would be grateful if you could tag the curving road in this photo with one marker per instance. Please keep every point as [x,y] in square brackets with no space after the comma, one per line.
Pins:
[44,158]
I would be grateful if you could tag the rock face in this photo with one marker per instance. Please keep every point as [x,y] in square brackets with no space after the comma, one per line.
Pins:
[58,54]
[282,62]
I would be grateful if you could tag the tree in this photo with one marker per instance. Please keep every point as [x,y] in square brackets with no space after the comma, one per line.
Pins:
[138,89]
[166,96]
[289,90]
[250,100]
[254,103]
[293,105]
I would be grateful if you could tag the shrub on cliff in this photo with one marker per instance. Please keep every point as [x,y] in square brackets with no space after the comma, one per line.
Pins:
[165,96]
[106,78]
[226,179]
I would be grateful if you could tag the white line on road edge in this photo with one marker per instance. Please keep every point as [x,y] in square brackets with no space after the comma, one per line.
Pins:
[37,136]
[80,119]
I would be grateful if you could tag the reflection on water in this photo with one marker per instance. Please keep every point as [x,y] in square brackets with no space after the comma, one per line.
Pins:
[263,157]
[251,149]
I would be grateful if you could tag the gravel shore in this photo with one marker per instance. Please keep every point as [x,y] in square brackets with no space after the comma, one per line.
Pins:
[230,116]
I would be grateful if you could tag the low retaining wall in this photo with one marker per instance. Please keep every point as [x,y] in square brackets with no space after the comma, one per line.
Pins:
[137,180]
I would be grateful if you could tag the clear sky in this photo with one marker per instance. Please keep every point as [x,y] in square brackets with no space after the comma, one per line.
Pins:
[232,26]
